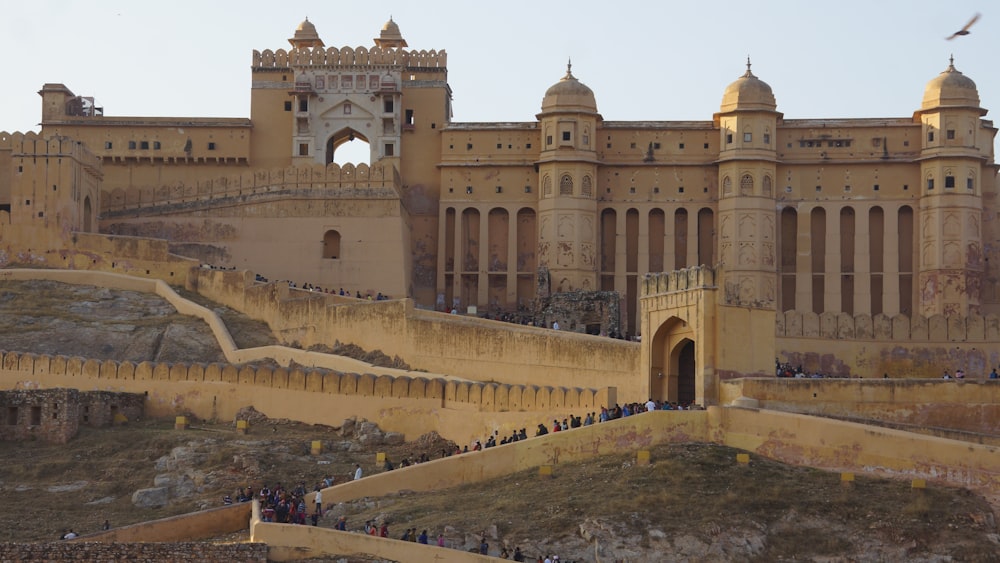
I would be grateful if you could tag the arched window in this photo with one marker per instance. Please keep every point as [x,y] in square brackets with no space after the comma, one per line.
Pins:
[586,187]
[331,245]
[546,186]
[566,185]
[746,184]
[766,185]
[727,186]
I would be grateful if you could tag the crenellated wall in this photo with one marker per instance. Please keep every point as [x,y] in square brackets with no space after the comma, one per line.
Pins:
[347,56]
[902,328]
[331,181]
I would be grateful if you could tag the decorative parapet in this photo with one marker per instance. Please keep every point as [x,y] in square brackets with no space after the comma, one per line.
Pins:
[484,397]
[902,328]
[348,57]
[381,181]
[661,283]
[32,144]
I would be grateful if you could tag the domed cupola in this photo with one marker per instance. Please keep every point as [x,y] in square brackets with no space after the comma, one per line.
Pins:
[748,93]
[951,88]
[569,94]
[306,36]
[390,37]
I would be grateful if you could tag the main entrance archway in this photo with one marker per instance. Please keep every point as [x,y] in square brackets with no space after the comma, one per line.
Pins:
[672,363]
[341,140]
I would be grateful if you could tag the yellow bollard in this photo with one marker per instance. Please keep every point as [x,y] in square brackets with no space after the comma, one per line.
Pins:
[846,479]
[380,458]
[918,484]
[642,457]
[545,471]
[317,447]
[242,426]
[180,423]
[743,459]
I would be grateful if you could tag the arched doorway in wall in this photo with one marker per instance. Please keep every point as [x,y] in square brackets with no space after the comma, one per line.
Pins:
[672,362]
[686,390]
[331,245]
[88,226]
[348,146]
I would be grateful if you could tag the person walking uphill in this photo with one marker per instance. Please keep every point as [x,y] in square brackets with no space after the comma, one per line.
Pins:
[357,471]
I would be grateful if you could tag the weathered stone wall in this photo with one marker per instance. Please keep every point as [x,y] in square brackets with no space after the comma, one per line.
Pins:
[135,552]
[55,415]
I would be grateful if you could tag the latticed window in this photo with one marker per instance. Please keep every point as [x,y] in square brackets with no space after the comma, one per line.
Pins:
[766,184]
[586,186]
[566,185]
[727,186]
[547,186]
[746,184]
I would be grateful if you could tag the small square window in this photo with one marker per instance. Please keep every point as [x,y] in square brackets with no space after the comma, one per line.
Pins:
[729,139]
[875,187]
[499,145]
[819,188]
[631,145]
[609,145]
[565,135]
[631,190]
[906,143]
[499,189]
[451,146]
[680,190]
[930,183]
[211,146]
[970,183]
[144,145]
[468,146]
[949,181]
[156,145]
[656,190]
[767,138]
[303,149]
[387,106]
[950,134]
[548,139]
[847,143]
[876,142]
[930,137]
[680,146]
[347,109]
[847,189]
[527,145]
[390,149]
[468,189]
[706,145]
[131,145]
[41,214]
[747,137]
[656,146]
[107,145]
[304,104]
[527,189]
[288,105]
[906,187]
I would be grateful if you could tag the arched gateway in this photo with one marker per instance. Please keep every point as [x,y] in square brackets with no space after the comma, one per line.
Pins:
[686,328]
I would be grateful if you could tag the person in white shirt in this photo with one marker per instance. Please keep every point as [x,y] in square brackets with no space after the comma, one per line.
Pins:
[357,471]
[650,405]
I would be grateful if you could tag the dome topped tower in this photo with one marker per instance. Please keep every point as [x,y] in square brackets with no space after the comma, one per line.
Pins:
[390,37]
[569,94]
[306,36]
[748,93]
[951,88]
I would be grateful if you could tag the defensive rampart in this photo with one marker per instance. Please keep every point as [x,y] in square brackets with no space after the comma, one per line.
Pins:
[467,347]
[971,406]
[331,181]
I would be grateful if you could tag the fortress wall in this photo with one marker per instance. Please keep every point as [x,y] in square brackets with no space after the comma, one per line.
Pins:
[203,524]
[845,446]
[410,405]
[921,358]
[961,405]
[467,347]
[331,180]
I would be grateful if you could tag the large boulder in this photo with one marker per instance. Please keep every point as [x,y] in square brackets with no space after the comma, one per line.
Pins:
[155,497]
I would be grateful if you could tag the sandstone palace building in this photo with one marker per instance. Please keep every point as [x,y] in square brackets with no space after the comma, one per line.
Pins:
[747,233]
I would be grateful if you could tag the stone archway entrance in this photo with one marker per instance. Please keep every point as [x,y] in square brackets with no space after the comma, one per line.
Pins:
[338,139]
[672,363]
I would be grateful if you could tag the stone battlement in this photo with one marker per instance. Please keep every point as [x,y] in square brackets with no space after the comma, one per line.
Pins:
[698,277]
[348,57]
[843,326]
[347,181]
[483,397]
[32,144]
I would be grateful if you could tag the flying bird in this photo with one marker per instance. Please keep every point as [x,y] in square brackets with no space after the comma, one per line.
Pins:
[965,29]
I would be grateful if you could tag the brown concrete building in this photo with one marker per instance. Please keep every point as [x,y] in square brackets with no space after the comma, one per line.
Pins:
[56,415]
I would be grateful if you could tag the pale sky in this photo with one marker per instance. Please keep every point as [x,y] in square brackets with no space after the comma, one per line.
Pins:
[644,60]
